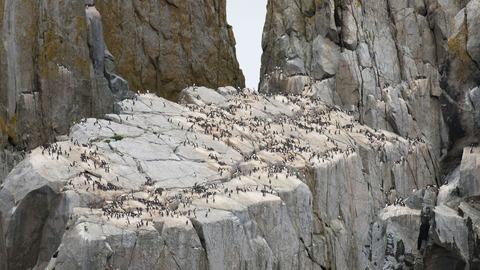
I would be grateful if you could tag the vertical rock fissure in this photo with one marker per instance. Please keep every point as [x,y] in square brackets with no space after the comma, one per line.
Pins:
[466,41]
[199,231]
[307,249]
[398,50]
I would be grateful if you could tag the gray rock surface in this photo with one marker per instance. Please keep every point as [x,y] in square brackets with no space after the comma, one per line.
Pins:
[361,154]
[407,66]
[162,46]
[221,181]
[473,28]
[56,68]
[53,70]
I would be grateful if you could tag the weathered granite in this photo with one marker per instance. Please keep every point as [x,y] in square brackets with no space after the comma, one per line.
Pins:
[344,167]
[56,68]
[223,180]
[162,46]
[406,66]
[53,70]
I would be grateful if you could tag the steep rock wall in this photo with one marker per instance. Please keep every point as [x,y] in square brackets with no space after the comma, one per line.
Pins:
[409,67]
[223,181]
[406,66]
[163,46]
[229,177]
[57,67]
[53,72]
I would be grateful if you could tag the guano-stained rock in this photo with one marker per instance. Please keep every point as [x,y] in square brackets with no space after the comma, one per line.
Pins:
[366,48]
[362,154]
[56,68]
[222,181]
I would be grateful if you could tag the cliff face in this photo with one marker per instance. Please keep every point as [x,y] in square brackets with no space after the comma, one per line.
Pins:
[410,67]
[163,46]
[225,180]
[345,175]
[53,69]
[221,182]
[56,66]
[399,64]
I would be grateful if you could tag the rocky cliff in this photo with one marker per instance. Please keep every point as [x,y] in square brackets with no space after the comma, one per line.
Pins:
[221,182]
[406,66]
[361,152]
[54,69]
[226,179]
[410,67]
[163,46]
[57,66]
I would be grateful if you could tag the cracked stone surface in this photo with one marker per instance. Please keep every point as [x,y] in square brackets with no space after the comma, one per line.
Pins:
[68,75]
[162,46]
[221,181]
[60,59]
[404,66]
[362,153]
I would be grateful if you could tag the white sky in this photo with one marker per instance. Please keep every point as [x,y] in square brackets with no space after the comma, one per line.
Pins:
[247,18]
